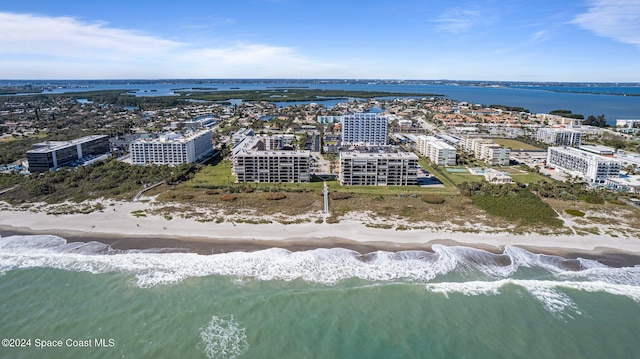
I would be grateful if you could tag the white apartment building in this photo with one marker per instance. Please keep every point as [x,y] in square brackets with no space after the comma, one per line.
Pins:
[494,154]
[329,119]
[171,149]
[271,166]
[486,150]
[470,144]
[558,136]
[593,168]
[378,169]
[628,123]
[273,142]
[364,129]
[437,150]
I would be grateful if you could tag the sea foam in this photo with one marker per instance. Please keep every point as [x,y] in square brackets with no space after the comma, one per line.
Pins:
[224,338]
[445,270]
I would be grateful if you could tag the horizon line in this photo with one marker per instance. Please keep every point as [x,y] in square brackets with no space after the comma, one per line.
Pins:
[318,79]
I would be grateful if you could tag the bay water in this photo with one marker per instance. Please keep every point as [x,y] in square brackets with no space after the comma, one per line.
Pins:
[453,302]
[615,101]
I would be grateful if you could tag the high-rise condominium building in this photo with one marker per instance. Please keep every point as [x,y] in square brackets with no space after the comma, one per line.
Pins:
[272,166]
[364,129]
[260,159]
[378,169]
[593,168]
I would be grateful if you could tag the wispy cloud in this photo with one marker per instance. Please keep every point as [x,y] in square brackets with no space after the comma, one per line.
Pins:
[615,19]
[40,46]
[458,20]
[540,36]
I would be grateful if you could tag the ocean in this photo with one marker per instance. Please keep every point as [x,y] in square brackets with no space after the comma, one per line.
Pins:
[615,101]
[87,300]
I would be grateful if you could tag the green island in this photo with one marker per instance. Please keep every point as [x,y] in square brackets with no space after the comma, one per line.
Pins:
[291,94]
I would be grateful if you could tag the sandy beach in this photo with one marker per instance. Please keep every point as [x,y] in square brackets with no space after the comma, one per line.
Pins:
[117,226]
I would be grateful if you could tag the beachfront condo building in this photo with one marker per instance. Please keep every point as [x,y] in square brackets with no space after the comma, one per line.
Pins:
[559,136]
[593,168]
[272,166]
[172,149]
[438,151]
[378,169]
[51,155]
[364,129]
[260,159]
[486,150]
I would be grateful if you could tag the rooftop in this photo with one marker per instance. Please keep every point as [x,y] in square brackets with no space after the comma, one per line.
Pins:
[43,147]
[399,155]
[172,137]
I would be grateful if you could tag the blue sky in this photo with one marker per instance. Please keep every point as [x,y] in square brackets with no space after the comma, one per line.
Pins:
[516,40]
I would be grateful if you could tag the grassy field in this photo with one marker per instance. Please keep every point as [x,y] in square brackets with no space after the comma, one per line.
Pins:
[215,187]
[515,144]
[220,176]
[458,177]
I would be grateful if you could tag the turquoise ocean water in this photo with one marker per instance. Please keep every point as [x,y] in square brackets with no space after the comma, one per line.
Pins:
[454,302]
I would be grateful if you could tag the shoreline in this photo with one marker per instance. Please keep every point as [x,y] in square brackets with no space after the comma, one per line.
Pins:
[612,257]
[118,227]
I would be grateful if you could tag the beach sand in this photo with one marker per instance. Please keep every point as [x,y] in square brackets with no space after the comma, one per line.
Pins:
[117,226]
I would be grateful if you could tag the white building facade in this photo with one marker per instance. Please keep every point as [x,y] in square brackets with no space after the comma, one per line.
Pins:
[628,123]
[594,169]
[171,149]
[486,150]
[271,166]
[378,169]
[437,150]
[364,129]
[557,136]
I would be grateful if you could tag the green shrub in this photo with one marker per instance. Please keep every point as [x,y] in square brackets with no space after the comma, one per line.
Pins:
[518,205]
[139,213]
[575,212]
[433,199]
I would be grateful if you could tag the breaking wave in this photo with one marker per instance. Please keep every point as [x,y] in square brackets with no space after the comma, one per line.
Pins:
[446,270]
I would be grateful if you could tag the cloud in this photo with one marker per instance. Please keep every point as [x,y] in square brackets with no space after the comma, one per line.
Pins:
[458,20]
[255,60]
[25,34]
[63,47]
[615,19]
[540,36]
